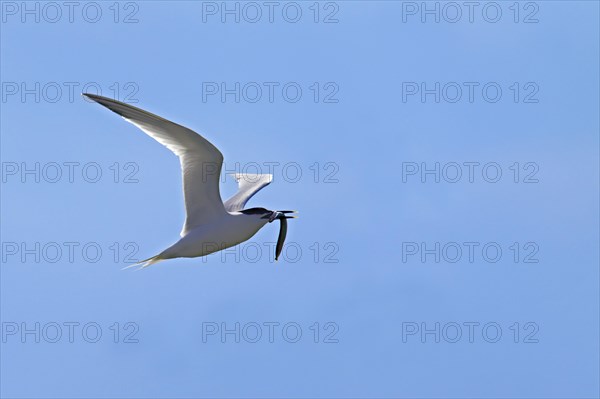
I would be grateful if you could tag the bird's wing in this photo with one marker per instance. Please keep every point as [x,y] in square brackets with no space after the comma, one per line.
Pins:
[201,161]
[248,185]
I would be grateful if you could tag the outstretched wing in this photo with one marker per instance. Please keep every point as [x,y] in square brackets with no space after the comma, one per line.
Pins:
[248,185]
[201,161]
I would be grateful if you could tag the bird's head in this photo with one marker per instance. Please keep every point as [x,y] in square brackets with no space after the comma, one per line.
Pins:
[270,216]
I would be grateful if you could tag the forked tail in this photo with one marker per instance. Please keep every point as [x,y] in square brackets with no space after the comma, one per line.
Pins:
[146,262]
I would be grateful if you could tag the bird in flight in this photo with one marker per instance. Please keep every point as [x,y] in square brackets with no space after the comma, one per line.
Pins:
[211,225]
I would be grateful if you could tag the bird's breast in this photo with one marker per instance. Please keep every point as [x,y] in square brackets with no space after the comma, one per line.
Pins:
[217,236]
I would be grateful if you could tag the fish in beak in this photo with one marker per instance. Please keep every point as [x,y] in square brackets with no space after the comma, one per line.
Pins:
[281,215]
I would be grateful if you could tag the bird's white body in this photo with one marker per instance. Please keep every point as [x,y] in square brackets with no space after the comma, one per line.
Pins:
[210,224]
[232,229]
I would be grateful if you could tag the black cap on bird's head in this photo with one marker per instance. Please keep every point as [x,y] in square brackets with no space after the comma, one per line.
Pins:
[272,216]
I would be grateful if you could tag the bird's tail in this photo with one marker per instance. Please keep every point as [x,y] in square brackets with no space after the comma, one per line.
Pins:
[146,262]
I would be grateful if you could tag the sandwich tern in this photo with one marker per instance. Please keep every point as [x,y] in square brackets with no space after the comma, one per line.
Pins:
[211,225]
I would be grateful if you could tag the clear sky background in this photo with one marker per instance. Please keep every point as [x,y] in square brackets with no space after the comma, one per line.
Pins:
[359,215]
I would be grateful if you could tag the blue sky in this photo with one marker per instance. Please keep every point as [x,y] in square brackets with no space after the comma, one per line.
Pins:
[362,257]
